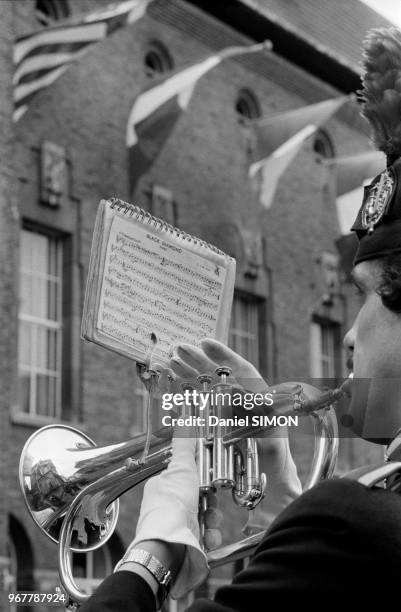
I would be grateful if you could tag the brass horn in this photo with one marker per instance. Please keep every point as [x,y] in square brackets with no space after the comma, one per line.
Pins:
[71,486]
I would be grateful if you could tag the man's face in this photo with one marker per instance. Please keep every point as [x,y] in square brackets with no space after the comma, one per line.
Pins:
[374,342]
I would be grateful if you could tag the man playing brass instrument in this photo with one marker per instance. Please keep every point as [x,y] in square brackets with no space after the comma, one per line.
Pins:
[340,538]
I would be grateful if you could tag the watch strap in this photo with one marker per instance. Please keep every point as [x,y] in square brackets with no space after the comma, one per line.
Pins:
[153,565]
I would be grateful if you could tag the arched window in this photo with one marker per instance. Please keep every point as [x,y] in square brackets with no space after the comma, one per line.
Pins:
[157,59]
[48,11]
[323,146]
[10,575]
[19,573]
[247,105]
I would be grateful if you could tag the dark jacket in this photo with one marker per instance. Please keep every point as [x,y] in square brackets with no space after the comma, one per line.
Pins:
[338,541]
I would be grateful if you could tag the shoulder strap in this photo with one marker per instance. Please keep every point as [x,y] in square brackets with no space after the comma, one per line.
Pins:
[371,476]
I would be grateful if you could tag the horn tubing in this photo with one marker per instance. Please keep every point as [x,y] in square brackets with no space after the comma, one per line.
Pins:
[324,460]
[125,480]
[107,487]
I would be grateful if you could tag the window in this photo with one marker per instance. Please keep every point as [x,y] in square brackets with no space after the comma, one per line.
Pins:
[10,574]
[91,568]
[18,571]
[48,11]
[322,145]
[325,349]
[163,205]
[40,324]
[139,419]
[244,330]
[157,59]
[247,105]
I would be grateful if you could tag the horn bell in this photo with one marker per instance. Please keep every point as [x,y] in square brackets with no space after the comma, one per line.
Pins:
[58,462]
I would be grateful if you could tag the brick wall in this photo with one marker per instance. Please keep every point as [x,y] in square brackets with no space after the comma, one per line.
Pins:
[204,164]
[8,301]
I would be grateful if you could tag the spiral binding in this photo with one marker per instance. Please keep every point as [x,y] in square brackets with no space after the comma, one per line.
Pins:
[145,217]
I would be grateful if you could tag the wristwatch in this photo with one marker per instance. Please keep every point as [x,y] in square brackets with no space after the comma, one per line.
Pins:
[153,565]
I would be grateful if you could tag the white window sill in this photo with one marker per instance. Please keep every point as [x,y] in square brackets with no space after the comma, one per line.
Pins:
[37,420]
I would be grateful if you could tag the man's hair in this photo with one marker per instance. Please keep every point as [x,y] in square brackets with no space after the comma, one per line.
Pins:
[390,286]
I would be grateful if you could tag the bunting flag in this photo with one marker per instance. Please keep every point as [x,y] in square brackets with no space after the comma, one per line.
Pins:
[280,137]
[40,58]
[352,172]
[156,110]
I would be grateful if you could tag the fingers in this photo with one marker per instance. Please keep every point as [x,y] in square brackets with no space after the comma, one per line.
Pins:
[223,355]
[212,519]
[182,369]
[192,361]
[165,378]
[196,358]
[212,539]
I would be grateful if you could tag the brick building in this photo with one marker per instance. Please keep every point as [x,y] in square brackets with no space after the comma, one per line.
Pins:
[199,182]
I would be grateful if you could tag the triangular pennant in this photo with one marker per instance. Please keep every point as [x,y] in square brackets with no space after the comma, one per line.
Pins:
[156,110]
[280,137]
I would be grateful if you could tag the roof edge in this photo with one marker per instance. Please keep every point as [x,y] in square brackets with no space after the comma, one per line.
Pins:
[288,42]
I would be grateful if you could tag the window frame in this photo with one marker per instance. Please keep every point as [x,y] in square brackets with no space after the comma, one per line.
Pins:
[260,362]
[60,10]
[163,56]
[249,99]
[90,582]
[323,141]
[37,323]
[66,412]
[320,359]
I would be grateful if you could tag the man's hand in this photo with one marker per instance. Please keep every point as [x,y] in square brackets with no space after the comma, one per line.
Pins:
[169,515]
[283,484]
[192,361]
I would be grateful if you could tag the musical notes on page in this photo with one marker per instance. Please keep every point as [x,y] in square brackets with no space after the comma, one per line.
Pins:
[154,285]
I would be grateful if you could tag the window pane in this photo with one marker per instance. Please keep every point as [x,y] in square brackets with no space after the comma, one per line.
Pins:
[38,251]
[139,407]
[40,323]
[52,300]
[244,332]
[24,344]
[41,347]
[52,339]
[323,351]
[24,389]
[46,400]
[42,394]
[26,293]
[100,566]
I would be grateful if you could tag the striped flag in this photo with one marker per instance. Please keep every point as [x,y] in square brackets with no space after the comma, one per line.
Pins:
[352,173]
[40,58]
[156,110]
[280,137]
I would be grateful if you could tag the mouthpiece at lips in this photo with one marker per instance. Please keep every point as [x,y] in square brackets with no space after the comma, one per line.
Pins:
[346,386]
[309,401]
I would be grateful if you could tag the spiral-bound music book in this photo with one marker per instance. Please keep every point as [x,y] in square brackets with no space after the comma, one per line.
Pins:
[151,286]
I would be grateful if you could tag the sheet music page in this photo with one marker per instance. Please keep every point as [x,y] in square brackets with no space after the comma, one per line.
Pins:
[152,286]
